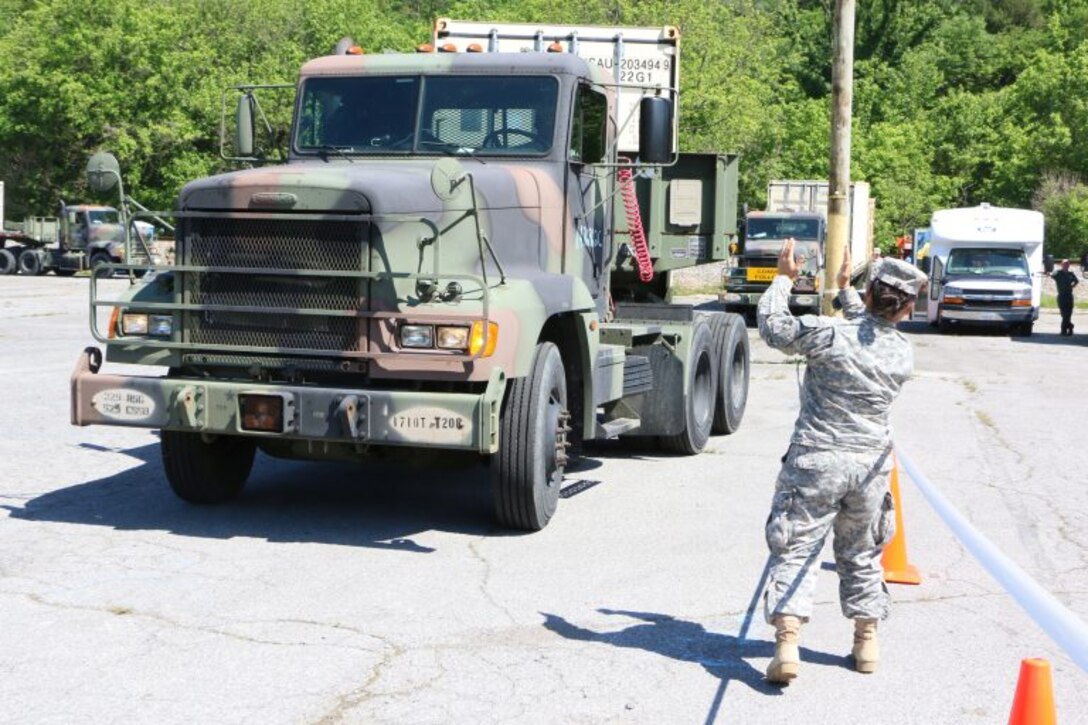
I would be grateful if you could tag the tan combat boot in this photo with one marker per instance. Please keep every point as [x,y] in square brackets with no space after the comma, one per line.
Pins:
[866,651]
[787,653]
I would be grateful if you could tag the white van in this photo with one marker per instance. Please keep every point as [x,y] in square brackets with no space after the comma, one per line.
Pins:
[986,268]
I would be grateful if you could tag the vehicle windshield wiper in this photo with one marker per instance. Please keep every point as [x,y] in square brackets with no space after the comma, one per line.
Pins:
[339,150]
[450,150]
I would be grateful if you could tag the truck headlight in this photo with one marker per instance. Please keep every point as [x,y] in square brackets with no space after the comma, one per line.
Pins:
[417,336]
[452,337]
[133,323]
[160,325]
[950,291]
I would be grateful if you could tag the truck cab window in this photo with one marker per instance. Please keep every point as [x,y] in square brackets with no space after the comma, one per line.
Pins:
[491,115]
[360,114]
[587,138]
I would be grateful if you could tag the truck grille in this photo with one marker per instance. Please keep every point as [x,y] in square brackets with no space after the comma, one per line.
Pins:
[267,244]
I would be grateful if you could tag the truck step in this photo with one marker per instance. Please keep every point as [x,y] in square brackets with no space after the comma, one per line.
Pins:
[614,428]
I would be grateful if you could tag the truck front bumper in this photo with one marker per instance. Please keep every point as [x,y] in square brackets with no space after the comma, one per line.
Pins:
[990,316]
[462,421]
[751,299]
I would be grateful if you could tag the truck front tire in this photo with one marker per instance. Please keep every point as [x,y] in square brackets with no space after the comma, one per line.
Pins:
[100,258]
[527,471]
[206,470]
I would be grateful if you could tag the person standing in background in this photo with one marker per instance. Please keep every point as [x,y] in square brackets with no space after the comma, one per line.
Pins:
[1066,281]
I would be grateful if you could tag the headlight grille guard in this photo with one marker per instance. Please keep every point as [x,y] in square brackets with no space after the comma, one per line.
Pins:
[179,306]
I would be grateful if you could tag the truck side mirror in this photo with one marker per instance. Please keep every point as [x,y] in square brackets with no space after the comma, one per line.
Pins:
[1048,263]
[103,172]
[923,264]
[655,130]
[245,128]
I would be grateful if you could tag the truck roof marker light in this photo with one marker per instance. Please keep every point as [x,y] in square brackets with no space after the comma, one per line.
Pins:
[555,48]
[475,48]
[447,48]
[424,48]
[356,50]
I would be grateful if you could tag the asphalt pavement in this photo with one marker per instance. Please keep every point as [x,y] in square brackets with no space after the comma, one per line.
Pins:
[374,593]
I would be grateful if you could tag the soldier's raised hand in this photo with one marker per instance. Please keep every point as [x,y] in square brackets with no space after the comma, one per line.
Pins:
[843,277]
[787,264]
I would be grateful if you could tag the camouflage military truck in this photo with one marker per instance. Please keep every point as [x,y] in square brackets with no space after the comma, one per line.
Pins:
[81,237]
[454,257]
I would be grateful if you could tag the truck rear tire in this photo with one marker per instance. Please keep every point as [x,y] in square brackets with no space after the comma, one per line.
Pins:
[206,471]
[527,471]
[31,263]
[702,388]
[8,264]
[732,350]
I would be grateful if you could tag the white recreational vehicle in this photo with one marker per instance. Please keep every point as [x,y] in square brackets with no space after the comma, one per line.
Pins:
[986,268]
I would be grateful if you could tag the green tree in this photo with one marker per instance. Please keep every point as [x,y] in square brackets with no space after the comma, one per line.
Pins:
[1063,199]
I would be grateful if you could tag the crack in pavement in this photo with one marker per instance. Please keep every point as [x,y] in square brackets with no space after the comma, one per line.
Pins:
[486,579]
[121,610]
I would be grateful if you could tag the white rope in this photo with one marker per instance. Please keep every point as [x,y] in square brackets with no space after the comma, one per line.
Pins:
[1064,627]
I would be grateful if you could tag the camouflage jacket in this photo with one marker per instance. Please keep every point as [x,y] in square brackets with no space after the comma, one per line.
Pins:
[856,366]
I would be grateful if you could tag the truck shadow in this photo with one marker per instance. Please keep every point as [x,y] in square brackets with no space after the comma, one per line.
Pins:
[376,505]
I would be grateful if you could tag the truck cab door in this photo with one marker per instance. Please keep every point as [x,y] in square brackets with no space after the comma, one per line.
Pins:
[76,229]
[589,186]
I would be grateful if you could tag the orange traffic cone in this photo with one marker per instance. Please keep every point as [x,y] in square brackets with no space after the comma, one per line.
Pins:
[897,570]
[1034,700]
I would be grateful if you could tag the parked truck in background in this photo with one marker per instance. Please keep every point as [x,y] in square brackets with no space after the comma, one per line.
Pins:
[985,268]
[795,209]
[462,253]
[81,237]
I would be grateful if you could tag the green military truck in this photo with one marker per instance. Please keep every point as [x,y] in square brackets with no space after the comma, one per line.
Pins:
[461,253]
[83,236]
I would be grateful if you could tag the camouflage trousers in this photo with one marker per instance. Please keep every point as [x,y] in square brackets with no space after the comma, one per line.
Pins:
[819,491]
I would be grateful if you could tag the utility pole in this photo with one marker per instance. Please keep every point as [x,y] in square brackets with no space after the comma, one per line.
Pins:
[842,99]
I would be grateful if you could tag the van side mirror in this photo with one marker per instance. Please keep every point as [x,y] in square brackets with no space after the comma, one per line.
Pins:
[245,128]
[655,130]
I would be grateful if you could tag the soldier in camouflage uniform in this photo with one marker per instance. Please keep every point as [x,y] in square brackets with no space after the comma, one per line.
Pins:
[835,475]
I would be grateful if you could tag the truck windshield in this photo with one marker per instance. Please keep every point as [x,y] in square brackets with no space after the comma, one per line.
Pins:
[781,228]
[1002,262]
[456,114]
[102,216]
